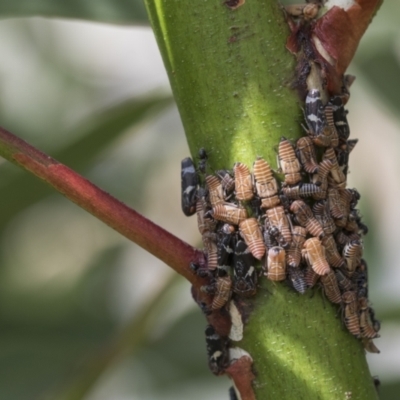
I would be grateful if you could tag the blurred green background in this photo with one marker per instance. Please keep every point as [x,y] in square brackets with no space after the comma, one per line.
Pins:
[86,314]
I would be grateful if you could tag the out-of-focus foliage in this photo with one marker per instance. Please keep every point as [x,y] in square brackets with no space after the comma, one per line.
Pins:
[101,131]
[377,68]
[70,287]
[96,97]
[378,56]
[112,11]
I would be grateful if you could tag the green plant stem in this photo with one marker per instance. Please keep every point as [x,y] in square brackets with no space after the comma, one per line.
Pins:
[230,74]
[151,237]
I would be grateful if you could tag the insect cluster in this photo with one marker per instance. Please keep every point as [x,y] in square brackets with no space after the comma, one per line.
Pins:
[305,230]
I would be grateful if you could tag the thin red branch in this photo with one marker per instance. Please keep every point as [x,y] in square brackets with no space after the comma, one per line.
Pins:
[242,374]
[173,251]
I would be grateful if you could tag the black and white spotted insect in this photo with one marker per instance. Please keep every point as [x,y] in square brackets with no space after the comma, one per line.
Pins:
[226,244]
[217,351]
[244,272]
[189,182]
[340,118]
[314,112]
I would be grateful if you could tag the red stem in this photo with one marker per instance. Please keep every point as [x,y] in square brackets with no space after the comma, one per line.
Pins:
[173,251]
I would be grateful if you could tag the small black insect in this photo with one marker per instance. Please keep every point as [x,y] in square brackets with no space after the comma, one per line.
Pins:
[217,351]
[285,201]
[232,394]
[270,233]
[204,308]
[340,118]
[225,244]
[357,218]
[278,237]
[199,270]
[376,324]
[342,155]
[355,197]
[189,182]
[360,278]
[352,223]
[203,157]
[255,204]
[244,272]
[377,382]
[343,152]
[296,277]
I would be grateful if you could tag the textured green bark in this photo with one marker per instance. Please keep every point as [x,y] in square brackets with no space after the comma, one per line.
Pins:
[230,74]
[301,349]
